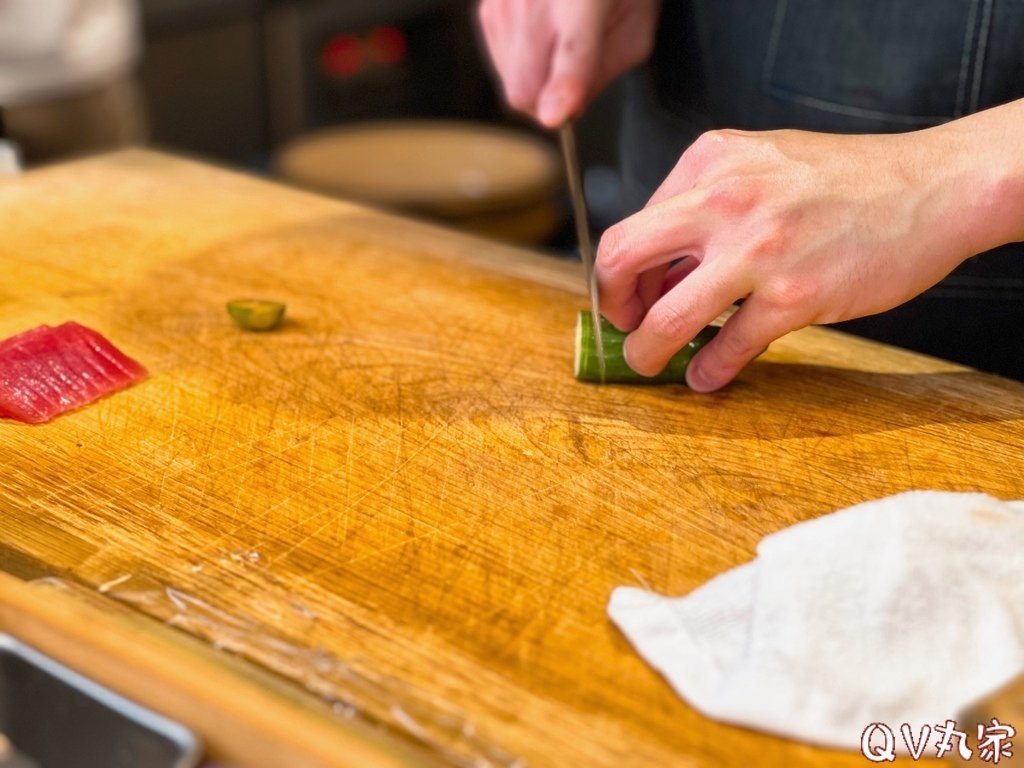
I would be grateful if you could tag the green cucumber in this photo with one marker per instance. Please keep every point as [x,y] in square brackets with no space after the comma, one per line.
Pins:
[616,370]
[256,314]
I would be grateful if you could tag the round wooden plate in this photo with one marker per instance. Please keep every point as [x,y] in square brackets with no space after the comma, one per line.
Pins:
[450,169]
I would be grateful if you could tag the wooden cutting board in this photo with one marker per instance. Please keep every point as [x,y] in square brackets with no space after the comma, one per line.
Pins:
[402,500]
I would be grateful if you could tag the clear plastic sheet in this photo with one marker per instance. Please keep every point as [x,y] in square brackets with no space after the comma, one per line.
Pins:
[350,690]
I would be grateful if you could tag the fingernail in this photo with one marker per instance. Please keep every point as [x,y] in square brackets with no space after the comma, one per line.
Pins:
[697,380]
[632,315]
[627,346]
[551,109]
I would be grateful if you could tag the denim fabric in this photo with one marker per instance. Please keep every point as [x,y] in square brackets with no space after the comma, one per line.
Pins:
[844,66]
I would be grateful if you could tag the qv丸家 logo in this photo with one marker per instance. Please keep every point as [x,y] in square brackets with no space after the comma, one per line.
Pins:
[878,741]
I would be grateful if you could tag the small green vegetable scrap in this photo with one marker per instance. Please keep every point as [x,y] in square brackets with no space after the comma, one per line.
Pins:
[256,314]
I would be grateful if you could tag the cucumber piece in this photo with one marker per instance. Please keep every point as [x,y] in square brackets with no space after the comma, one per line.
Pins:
[256,314]
[616,369]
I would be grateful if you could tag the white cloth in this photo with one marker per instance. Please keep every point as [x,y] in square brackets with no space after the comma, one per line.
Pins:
[53,48]
[901,610]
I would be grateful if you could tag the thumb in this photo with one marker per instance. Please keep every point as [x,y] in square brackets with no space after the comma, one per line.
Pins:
[573,69]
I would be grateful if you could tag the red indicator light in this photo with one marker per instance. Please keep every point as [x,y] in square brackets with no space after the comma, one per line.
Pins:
[387,45]
[343,56]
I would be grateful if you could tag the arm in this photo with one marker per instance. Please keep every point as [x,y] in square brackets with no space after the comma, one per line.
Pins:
[807,228]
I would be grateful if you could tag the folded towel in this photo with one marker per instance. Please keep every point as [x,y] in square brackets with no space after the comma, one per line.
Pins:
[900,610]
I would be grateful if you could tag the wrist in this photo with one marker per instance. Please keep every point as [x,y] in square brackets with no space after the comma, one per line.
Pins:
[987,157]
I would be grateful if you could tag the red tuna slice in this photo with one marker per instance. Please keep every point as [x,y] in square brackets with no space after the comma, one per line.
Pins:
[25,337]
[46,371]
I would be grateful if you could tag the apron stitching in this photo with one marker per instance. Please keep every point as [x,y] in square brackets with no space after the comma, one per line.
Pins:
[959,107]
[965,60]
[773,44]
[986,25]
[845,109]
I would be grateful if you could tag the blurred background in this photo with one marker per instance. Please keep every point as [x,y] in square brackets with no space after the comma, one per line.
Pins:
[354,98]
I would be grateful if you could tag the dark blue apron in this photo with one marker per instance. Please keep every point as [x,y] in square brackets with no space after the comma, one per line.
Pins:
[845,66]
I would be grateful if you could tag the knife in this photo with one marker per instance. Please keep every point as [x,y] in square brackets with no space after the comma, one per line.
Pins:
[579,211]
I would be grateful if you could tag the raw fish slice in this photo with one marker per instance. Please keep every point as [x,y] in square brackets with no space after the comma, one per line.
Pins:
[94,380]
[68,387]
[37,382]
[47,371]
[79,352]
[30,389]
[67,379]
[26,337]
[104,349]
[22,396]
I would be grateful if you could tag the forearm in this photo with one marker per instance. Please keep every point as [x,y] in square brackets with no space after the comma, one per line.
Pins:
[986,159]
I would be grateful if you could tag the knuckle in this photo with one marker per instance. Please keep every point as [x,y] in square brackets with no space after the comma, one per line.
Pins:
[734,195]
[613,251]
[789,295]
[723,144]
[569,44]
[668,322]
[771,242]
[736,345]
[713,141]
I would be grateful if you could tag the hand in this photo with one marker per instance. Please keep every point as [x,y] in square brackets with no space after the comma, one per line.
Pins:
[554,56]
[807,228]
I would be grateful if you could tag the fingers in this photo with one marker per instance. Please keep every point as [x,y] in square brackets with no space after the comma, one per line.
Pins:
[526,71]
[492,28]
[649,286]
[546,53]
[520,40]
[675,274]
[627,41]
[679,316]
[655,283]
[677,221]
[745,335]
[650,238]
[573,68]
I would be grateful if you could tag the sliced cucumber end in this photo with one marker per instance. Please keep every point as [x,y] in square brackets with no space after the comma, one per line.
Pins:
[577,368]
[256,314]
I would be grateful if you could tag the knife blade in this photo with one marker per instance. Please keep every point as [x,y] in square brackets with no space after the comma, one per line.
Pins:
[567,137]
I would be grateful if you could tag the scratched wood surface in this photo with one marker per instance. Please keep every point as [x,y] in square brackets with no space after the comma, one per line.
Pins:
[402,499]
